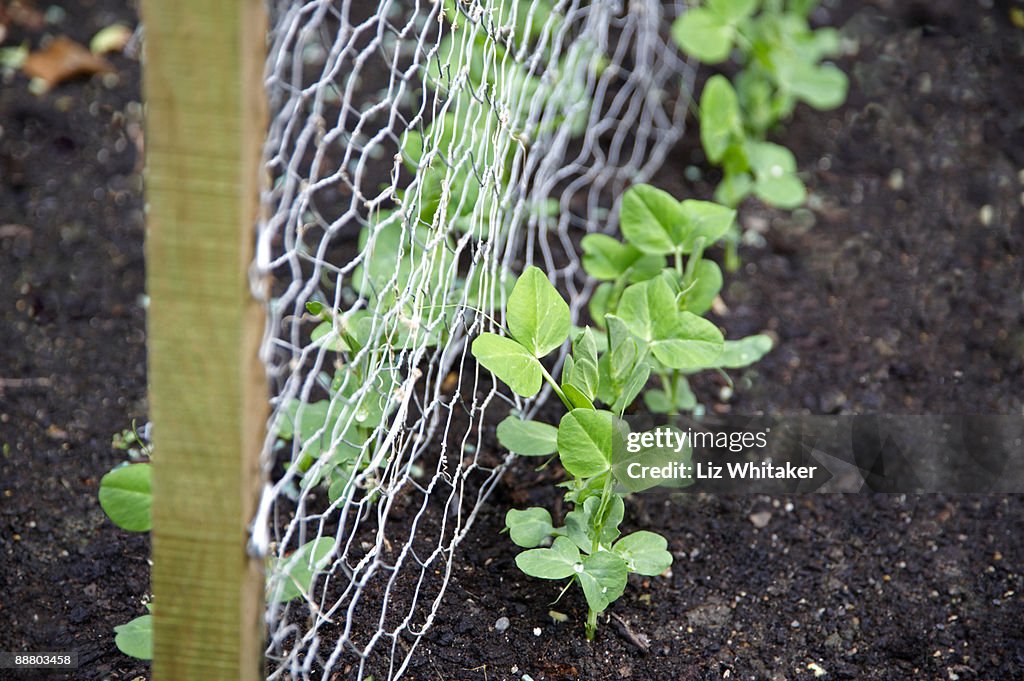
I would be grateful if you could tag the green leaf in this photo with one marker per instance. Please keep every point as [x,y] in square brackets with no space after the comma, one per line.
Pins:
[721,125]
[701,33]
[785,192]
[644,552]
[603,579]
[705,219]
[528,438]
[618,362]
[292,576]
[732,11]
[585,442]
[324,336]
[584,346]
[692,343]
[774,168]
[706,286]
[634,383]
[581,521]
[650,219]
[538,317]
[126,497]
[136,637]
[584,377]
[744,352]
[509,361]
[823,87]
[598,305]
[530,527]
[577,398]
[648,309]
[733,188]
[560,561]
[604,257]
[660,402]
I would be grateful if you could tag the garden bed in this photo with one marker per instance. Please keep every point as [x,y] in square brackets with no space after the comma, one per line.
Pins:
[898,292]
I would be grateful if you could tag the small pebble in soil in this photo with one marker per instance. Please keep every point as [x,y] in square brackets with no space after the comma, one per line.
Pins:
[761,519]
[537,631]
[502,624]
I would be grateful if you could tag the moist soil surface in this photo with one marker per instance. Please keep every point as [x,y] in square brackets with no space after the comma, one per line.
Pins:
[897,290]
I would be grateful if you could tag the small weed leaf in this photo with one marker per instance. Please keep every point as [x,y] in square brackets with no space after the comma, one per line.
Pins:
[744,352]
[538,317]
[527,438]
[126,497]
[644,552]
[136,637]
[651,219]
[530,527]
[509,361]
[585,442]
[560,561]
[721,124]
[603,579]
[293,575]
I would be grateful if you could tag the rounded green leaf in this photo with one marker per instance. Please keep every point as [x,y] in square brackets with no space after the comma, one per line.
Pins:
[538,317]
[292,576]
[603,579]
[744,352]
[644,552]
[703,34]
[732,11]
[136,637]
[528,528]
[650,218]
[823,87]
[126,497]
[786,191]
[509,361]
[585,442]
[528,438]
[606,258]
[720,123]
[560,561]
[649,309]
[707,220]
[693,343]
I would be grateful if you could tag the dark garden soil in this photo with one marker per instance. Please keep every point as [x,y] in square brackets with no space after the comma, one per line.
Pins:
[72,355]
[899,290]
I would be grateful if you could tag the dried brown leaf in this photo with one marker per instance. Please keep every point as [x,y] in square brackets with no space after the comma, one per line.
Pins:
[62,60]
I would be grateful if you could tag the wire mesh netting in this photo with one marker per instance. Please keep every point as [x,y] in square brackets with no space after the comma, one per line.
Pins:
[420,154]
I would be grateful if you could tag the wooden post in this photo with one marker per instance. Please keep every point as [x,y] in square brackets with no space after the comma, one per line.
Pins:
[205,123]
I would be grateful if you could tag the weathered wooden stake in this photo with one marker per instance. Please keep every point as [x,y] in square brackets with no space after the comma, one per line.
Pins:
[205,123]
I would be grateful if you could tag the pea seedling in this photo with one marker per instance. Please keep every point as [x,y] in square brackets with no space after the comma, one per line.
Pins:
[779,54]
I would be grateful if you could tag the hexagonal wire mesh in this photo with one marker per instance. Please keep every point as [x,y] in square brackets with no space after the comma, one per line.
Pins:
[420,154]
